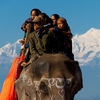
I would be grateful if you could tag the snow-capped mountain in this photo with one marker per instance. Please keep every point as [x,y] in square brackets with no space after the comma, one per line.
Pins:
[86,49]
[9,52]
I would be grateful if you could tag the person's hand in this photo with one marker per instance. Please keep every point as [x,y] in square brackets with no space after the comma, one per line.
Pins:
[39,56]
[23,63]
[51,29]
[22,41]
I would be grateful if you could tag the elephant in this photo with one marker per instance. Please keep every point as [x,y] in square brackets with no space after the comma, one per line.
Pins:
[50,77]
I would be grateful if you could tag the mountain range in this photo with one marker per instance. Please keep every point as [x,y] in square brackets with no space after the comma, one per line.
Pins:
[86,49]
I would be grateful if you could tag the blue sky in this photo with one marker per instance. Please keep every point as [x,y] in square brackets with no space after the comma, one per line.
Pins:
[80,14]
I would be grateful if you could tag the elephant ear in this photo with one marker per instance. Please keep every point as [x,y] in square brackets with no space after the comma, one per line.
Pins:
[74,68]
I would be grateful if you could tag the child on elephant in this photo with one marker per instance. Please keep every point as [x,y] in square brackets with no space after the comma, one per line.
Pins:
[66,47]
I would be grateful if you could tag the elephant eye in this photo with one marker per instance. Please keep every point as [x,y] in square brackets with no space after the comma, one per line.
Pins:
[43,87]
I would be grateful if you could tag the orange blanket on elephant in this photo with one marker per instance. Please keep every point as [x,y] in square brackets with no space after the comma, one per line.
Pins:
[8,90]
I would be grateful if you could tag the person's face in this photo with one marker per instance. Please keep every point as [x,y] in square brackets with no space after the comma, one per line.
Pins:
[43,20]
[54,20]
[25,28]
[37,26]
[33,14]
[60,24]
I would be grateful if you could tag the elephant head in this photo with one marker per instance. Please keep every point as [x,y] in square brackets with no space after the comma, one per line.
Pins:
[51,77]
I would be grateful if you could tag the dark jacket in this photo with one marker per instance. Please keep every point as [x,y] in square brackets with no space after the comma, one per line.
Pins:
[41,42]
[64,43]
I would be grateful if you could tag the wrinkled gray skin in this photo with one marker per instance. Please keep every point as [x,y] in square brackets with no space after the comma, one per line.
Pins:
[51,77]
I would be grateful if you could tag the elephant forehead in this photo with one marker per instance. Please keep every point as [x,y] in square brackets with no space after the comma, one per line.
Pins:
[54,82]
[42,67]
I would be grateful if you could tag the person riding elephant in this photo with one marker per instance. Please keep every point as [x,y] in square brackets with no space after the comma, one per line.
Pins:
[64,38]
[41,40]
[54,18]
[34,12]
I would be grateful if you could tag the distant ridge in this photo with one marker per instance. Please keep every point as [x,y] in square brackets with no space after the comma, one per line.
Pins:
[86,48]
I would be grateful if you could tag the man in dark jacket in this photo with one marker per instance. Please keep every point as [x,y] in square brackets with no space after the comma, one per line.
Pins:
[41,40]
